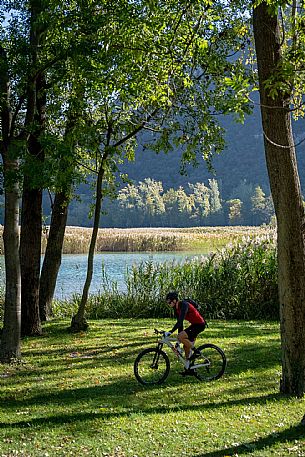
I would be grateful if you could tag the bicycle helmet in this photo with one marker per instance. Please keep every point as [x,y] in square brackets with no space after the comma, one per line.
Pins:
[172,296]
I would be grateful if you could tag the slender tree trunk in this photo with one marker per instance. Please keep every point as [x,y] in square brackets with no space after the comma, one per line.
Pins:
[30,239]
[31,214]
[30,253]
[79,322]
[53,254]
[10,339]
[285,188]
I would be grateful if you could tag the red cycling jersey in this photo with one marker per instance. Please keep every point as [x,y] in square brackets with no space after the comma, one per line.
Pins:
[192,315]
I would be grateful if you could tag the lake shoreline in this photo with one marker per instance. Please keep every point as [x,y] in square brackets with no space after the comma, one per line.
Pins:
[77,239]
[151,239]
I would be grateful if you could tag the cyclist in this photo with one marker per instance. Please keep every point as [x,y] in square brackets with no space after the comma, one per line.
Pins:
[185,311]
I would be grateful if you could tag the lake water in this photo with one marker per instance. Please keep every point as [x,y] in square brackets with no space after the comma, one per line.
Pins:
[73,269]
[72,273]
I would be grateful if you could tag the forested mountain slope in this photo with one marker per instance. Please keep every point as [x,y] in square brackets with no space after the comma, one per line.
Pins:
[243,159]
[240,167]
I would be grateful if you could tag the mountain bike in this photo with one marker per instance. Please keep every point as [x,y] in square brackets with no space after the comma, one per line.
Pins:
[152,365]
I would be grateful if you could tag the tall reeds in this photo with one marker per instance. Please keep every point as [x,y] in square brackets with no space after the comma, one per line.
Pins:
[77,239]
[237,282]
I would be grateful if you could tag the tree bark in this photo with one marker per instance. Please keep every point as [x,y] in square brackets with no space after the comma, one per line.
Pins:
[31,226]
[79,322]
[10,338]
[53,254]
[31,214]
[286,194]
[30,253]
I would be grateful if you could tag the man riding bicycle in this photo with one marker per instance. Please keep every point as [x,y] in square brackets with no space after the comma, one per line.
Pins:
[185,311]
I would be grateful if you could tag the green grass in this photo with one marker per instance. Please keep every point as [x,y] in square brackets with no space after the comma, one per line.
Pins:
[76,395]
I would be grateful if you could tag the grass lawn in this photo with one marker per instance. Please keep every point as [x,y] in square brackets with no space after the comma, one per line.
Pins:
[77,395]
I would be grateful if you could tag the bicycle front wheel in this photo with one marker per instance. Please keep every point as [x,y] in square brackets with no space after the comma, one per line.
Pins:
[151,366]
[209,363]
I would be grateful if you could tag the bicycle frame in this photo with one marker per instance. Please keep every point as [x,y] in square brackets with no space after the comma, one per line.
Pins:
[169,343]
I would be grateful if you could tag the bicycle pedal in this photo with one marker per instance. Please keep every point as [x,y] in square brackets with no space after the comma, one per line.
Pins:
[187,372]
[195,354]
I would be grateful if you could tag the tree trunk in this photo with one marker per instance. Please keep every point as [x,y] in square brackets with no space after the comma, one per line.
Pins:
[10,339]
[30,244]
[286,193]
[53,254]
[31,214]
[30,253]
[31,224]
[79,322]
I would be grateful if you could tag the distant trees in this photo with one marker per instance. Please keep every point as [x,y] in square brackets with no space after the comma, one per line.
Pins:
[215,202]
[261,206]
[235,211]
[148,204]
[201,200]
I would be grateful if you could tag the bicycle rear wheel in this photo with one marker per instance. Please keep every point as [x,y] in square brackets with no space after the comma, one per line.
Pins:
[209,362]
[151,366]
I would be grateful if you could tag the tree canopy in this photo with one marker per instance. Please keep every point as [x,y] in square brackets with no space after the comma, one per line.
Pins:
[80,80]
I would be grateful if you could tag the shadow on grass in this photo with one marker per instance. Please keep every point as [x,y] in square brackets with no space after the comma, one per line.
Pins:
[115,326]
[73,347]
[238,331]
[100,393]
[289,434]
[253,356]
[241,358]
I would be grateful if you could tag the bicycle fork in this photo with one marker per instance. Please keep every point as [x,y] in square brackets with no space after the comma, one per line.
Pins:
[156,356]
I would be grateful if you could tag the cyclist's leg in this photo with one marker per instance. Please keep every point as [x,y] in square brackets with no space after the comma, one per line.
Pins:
[187,338]
[187,344]
[193,331]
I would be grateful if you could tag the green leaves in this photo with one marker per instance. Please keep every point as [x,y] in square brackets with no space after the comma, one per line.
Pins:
[114,70]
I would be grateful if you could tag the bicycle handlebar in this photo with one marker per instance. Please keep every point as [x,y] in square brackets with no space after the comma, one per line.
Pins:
[159,332]
[165,338]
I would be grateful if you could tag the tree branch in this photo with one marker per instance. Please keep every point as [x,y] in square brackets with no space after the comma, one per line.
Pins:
[14,117]
[281,145]
[136,130]
[4,96]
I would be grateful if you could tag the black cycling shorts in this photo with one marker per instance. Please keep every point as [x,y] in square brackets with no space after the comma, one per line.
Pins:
[193,330]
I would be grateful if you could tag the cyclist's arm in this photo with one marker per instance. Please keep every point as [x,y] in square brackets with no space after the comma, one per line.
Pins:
[180,318]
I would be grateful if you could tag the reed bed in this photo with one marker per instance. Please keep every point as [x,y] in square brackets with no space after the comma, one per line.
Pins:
[77,239]
[236,282]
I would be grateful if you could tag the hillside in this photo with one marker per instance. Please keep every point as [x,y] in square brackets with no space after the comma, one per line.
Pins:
[243,159]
